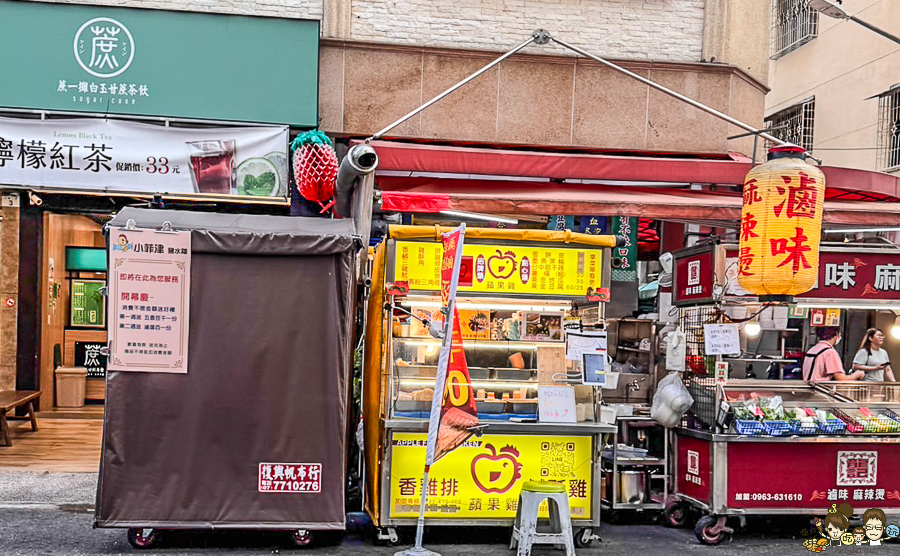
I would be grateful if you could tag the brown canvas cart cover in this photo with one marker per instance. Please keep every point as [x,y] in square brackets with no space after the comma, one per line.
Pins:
[269,354]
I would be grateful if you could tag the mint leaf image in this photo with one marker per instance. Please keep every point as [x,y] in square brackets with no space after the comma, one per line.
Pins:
[258,185]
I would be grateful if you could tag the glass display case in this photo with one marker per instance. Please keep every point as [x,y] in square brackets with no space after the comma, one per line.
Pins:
[503,342]
[798,409]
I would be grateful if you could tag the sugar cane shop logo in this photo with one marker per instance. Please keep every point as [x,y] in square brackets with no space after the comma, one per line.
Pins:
[104,47]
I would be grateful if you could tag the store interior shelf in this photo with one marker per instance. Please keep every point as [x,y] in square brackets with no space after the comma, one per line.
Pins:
[475,380]
[637,461]
[760,359]
[638,350]
[424,340]
[640,461]
[636,506]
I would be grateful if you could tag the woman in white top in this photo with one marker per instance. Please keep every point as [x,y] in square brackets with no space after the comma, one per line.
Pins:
[872,358]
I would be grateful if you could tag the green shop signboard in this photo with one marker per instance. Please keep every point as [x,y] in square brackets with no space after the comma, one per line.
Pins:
[157,63]
[627,253]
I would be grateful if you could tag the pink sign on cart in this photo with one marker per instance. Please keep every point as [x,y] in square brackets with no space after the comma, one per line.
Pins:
[149,300]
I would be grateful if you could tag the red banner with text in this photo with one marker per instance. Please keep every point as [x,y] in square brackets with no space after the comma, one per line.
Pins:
[864,275]
[458,411]
[813,476]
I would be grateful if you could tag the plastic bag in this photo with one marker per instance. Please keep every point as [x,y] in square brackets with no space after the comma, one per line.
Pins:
[675,351]
[671,401]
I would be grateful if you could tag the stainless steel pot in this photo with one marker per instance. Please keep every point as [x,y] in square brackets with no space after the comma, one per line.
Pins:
[632,487]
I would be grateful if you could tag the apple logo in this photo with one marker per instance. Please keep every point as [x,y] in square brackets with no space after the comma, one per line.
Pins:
[496,471]
[502,265]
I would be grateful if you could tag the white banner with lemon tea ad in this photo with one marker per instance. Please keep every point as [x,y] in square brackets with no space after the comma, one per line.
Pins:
[123,157]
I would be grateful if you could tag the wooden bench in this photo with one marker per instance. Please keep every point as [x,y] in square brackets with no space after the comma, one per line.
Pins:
[9,401]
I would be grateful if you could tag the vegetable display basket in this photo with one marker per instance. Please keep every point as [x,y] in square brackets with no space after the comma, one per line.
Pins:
[832,426]
[778,428]
[748,427]
[804,429]
[853,426]
[859,423]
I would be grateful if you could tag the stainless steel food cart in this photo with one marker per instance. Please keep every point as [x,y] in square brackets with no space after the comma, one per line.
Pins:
[729,469]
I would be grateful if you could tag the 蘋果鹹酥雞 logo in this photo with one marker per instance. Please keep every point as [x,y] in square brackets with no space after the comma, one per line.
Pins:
[496,471]
[104,47]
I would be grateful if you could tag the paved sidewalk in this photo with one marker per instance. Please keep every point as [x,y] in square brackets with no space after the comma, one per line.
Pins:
[24,488]
[52,513]
[36,532]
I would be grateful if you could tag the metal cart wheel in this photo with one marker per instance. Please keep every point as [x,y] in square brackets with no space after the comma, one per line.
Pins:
[143,538]
[676,514]
[584,537]
[711,530]
[386,536]
[302,537]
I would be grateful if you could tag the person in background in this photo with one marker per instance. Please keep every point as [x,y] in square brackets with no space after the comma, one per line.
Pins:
[872,359]
[822,362]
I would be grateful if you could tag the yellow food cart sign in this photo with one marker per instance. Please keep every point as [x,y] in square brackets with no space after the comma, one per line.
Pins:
[502,269]
[483,477]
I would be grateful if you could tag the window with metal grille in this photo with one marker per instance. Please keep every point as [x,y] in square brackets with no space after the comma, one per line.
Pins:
[889,129]
[794,24]
[794,124]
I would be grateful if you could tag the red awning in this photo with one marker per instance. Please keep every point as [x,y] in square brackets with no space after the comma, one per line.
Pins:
[431,196]
[429,178]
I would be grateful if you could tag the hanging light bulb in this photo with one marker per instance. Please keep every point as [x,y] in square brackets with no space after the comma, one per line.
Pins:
[752,328]
[895,330]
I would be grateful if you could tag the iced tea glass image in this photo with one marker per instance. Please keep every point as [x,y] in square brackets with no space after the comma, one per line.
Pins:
[212,166]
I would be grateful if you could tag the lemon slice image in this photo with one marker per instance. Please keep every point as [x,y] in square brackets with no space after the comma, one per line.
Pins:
[258,177]
[280,160]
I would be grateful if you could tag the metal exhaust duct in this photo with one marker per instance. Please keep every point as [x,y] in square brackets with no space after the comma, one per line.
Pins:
[360,160]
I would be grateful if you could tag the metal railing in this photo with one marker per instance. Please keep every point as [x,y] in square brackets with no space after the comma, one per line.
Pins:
[794,24]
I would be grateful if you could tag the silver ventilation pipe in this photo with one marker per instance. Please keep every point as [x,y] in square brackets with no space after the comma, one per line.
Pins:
[360,161]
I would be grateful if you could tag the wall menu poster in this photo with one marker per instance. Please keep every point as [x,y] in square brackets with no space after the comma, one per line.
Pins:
[149,289]
[87,306]
[504,269]
[482,477]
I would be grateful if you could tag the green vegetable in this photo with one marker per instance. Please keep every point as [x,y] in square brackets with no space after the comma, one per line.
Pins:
[743,414]
[773,414]
[261,185]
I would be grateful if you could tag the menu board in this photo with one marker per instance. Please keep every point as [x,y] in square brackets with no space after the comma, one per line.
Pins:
[149,279]
[556,404]
[87,305]
[504,269]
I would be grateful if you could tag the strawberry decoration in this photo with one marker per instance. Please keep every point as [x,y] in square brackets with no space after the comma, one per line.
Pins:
[315,167]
